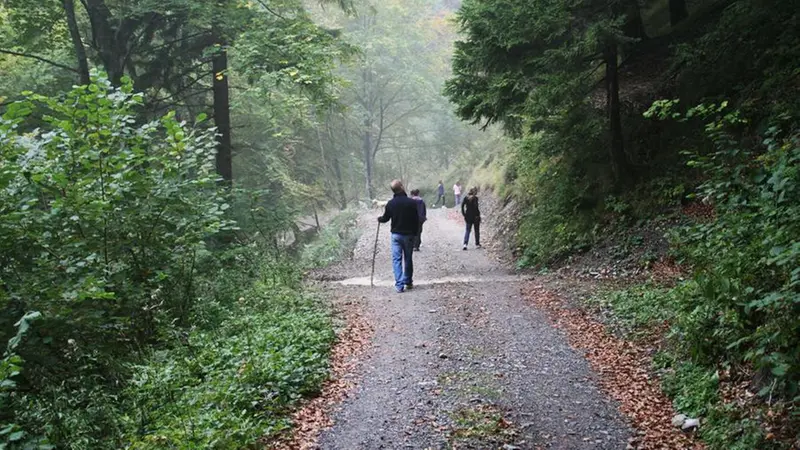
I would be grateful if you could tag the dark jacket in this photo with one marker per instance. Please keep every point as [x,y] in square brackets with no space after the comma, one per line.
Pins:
[440,189]
[469,209]
[422,209]
[402,211]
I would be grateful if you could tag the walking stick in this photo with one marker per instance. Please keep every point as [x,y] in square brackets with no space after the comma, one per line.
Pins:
[374,254]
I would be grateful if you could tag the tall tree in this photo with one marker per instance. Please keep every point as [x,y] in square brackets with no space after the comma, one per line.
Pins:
[391,83]
[525,64]
[222,112]
[677,11]
[77,42]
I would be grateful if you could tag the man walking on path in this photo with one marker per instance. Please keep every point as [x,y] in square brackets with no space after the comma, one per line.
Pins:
[472,216]
[440,192]
[402,211]
[457,193]
[422,211]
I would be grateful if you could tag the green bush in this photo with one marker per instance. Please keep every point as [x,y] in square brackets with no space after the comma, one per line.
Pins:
[638,308]
[334,242]
[695,392]
[101,222]
[562,193]
[156,330]
[744,301]
[230,386]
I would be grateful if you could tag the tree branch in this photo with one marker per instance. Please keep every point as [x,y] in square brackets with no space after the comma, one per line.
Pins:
[381,129]
[39,58]
[404,115]
[264,4]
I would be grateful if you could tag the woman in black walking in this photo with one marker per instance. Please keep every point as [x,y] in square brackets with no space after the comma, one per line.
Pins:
[472,216]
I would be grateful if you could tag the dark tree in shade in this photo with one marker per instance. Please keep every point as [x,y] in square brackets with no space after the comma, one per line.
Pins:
[677,11]
[222,113]
[77,43]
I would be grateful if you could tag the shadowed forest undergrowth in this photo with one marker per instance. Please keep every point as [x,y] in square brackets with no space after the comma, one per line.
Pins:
[170,172]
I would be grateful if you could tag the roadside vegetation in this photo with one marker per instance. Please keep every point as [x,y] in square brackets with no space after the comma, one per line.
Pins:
[154,159]
[149,318]
[655,116]
[152,154]
[335,241]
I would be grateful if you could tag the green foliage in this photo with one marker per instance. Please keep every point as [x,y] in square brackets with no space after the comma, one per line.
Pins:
[102,221]
[231,385]
[11,434]
[530,65]
[749,55]
[334,242]
[692,383]
[637,309]
[746,291]
[740,309]
[101,213]
[155,330]
[562,195]
[695,392]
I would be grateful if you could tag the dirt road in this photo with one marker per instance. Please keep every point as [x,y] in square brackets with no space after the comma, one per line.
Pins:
[462,361]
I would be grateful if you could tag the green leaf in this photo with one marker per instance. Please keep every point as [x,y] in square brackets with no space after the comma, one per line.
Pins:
[780,370]
[16,436]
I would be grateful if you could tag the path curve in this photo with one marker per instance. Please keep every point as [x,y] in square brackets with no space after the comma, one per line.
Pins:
[462,361]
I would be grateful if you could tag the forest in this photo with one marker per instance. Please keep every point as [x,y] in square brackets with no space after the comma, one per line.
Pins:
[664,134]
[172,170]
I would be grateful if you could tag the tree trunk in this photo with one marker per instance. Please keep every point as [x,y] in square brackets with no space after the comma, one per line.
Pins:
[634,25]
[618,158]
[77,43]
[222,114]
[337,170]
[339,183]
[107,40]
[677,11]
[368,161]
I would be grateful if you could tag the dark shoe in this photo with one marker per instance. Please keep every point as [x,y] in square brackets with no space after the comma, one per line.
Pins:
[464,247]
[416,249]
[478,246]
[410,286]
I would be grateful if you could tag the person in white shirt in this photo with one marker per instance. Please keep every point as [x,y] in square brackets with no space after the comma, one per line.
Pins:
[457,193]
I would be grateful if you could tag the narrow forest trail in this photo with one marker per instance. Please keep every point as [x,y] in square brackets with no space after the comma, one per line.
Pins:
[462,361]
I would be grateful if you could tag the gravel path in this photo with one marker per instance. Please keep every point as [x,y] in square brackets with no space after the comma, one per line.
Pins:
[461,361]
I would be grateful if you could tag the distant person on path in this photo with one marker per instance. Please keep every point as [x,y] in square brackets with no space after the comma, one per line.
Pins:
[403,213]
[441,197]
[472,216]
[422,212]
[457,193]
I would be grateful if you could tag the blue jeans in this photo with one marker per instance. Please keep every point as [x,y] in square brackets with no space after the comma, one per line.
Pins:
[477,225]
[403,249]
[458,200]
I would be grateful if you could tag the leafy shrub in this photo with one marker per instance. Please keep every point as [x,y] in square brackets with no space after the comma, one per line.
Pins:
[11,434]
[742,306]
[638,308]
[230,386]
[155,330]
[336,239]
[745,301]
[101,223]
[562,193]
[695,392]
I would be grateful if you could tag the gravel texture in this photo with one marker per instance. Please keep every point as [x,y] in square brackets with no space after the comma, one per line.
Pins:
[462,361]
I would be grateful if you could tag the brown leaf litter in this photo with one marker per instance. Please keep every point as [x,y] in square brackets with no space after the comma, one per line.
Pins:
[624,373]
